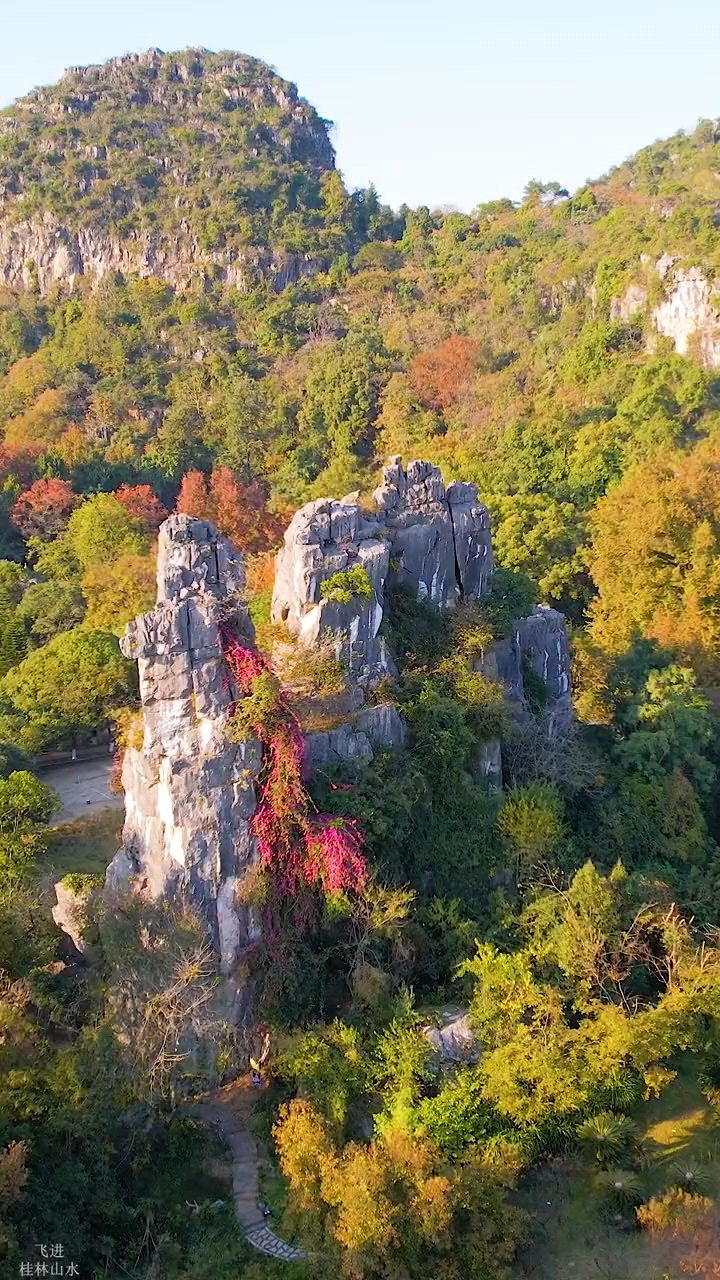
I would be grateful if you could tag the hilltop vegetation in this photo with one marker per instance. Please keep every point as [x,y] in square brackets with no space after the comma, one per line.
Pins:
[197,315]
[515,345]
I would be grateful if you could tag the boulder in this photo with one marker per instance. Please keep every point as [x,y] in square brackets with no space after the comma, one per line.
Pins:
[455,1040]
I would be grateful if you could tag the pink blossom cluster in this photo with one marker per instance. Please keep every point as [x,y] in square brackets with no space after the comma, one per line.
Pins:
[245,664]
[299,847]
[335,854]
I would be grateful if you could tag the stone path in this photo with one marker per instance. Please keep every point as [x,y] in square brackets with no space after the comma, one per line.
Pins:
[227,1110]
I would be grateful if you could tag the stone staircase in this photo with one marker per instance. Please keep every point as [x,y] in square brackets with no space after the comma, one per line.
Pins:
[227,1111]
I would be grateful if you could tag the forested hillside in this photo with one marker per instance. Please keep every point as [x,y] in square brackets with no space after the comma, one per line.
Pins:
[197,315]
[516,345]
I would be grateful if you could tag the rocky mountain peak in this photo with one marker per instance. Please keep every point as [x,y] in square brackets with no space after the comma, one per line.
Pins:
[175,165]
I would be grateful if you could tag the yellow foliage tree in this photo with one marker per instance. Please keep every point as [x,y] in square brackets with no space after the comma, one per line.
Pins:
[42,422]
[118,592]
[655,558]
[389,1210]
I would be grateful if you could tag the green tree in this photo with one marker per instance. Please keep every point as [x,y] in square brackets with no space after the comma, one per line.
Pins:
[341,397]
[70,686]
[531,819]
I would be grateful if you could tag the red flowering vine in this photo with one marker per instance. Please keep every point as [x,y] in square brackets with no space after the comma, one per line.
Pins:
[298,845]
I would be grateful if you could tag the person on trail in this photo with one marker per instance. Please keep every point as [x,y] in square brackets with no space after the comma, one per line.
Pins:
[257,1063]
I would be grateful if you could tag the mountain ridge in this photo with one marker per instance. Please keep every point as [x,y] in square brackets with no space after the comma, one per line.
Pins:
[297,333]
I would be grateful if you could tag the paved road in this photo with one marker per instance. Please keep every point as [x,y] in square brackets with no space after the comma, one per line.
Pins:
[83,787]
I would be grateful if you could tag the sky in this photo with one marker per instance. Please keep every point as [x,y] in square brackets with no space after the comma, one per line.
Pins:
[447,105]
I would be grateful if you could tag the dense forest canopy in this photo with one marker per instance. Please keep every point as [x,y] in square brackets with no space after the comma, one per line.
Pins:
[197,315]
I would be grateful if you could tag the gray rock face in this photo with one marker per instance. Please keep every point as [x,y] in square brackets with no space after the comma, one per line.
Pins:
[325,538]
[437,541]
[455,1041]
[43,252]
[441,543]
[68,915]
[189,791]
[543,642]
[379,728]
[633,301]
[489,763]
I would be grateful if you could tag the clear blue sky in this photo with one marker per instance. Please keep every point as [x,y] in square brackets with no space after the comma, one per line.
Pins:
[436,103]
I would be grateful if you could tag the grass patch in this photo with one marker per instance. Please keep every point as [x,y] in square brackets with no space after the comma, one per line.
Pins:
[85,847]
[570,1238]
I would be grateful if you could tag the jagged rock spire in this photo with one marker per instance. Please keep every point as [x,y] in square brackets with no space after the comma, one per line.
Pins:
[189,790]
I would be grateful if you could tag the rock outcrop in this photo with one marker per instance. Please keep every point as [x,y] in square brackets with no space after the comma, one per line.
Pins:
[688,316]
[542,643]
[377,728]
[441,542]
[189,790]
[326,538]
[538,644]
[434,540]
[43,252]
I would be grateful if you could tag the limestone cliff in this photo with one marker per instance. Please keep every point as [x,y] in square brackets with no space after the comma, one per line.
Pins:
[162,165]
[689,313]
[688,316]
[44,251]
[189,790]
[440,537]
[324,538]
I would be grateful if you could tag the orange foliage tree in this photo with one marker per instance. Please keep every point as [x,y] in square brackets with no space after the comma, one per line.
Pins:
[239,510]
[44,509]
[142,504]
[18,462]
[439,377]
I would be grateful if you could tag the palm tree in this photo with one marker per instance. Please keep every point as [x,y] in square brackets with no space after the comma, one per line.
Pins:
[607,1136]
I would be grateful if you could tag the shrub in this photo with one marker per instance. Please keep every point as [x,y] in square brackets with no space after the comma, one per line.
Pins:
[418,634]
[347,585]
[606,1136]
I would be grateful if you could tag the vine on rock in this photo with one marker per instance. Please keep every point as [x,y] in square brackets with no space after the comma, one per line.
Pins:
[296,844]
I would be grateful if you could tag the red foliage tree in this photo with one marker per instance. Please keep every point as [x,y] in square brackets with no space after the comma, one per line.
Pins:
[295,844]
[141,503]
[193,498]
[44,509]
[239,510]
[438,377]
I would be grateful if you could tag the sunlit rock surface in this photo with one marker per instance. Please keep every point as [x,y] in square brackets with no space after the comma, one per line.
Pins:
[441,542]
[189,790]
[325,538]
